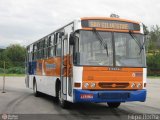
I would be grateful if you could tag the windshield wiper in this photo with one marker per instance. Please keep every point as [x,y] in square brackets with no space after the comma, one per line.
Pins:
[101,40]
[141,47]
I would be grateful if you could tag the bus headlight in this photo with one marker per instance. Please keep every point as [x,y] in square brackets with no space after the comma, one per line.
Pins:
[139,85]
[86,85]
[93,85]
[133,85]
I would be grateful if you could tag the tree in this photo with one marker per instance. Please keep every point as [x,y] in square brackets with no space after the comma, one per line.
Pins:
[15,54]
[153,57]
[2,57]
[154,39]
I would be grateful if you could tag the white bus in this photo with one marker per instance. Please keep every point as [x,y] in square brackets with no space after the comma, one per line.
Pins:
[91,59]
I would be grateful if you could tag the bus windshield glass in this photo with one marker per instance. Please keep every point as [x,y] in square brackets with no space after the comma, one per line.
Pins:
[92,51]
[122,50]
[127,50]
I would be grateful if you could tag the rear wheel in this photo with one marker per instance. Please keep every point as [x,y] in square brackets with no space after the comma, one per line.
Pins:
[113,104]
[36,93]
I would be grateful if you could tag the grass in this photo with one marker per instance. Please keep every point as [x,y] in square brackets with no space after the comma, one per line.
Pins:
[156,77]
[13,75]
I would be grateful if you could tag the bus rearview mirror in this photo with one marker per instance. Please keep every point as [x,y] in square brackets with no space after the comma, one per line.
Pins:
[71,39]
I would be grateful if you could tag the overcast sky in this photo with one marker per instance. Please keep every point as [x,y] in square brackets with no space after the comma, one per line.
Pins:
[24,21]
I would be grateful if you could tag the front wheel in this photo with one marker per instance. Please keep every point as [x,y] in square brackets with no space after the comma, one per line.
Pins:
[113,104]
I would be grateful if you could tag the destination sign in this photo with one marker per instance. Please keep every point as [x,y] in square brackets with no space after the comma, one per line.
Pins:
[109,24]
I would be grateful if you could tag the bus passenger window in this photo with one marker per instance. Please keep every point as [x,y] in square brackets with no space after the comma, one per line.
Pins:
[58,45]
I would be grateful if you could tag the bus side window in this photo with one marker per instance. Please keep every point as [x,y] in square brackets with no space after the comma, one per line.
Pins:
[38,50]
[34,51]
[30,53]
[58,45]
[42,49]
[48,46]
[51,46]
[45,48]
[55,43]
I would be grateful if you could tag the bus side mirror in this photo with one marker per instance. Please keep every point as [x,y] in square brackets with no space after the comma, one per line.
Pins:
[71,39]
[145,29]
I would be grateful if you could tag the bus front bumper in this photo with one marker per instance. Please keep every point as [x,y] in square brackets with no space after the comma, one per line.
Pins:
[109,96]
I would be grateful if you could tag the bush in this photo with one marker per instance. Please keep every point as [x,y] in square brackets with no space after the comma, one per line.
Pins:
[1,70]
[153,63]
[15,70]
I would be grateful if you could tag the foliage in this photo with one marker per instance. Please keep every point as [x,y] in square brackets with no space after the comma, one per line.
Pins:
[14,55]
[154,39]
[16,70]
[1,70]
[153,63]
[153,55]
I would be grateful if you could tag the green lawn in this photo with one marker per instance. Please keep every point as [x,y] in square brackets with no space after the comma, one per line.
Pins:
[156,77]
[14,75]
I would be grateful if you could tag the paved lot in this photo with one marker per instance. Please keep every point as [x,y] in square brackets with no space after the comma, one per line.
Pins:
[20,100]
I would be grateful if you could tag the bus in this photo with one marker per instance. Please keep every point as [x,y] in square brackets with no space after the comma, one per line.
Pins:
[91,59]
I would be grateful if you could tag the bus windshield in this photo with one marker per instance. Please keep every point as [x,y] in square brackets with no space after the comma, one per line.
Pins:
[122,49]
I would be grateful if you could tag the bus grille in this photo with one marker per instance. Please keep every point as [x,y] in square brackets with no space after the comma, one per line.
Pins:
[113,96]
[113,85]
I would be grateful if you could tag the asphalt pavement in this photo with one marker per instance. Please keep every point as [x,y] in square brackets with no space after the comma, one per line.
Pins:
[18,102]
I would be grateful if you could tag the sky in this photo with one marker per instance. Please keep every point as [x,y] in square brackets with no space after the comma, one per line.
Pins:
[25,21]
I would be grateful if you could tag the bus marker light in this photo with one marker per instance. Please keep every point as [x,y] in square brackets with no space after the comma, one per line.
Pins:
[77,84]
[86,96]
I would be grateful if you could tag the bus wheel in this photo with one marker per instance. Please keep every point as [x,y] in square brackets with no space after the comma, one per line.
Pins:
[36,93]
[63,103]
[113,104]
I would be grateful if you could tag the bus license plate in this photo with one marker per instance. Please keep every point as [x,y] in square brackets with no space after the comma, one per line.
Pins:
[86,96]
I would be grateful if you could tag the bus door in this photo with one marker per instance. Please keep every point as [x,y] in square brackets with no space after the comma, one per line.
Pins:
[64,65]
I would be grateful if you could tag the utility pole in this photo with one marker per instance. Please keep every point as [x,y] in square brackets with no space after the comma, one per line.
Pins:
[4,70]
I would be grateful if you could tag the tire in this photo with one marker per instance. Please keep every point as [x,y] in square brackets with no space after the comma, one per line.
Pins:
[113,104]
[63,103]
[36,93]
[56,98]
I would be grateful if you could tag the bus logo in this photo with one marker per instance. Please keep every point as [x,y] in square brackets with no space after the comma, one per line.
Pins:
[114,68]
